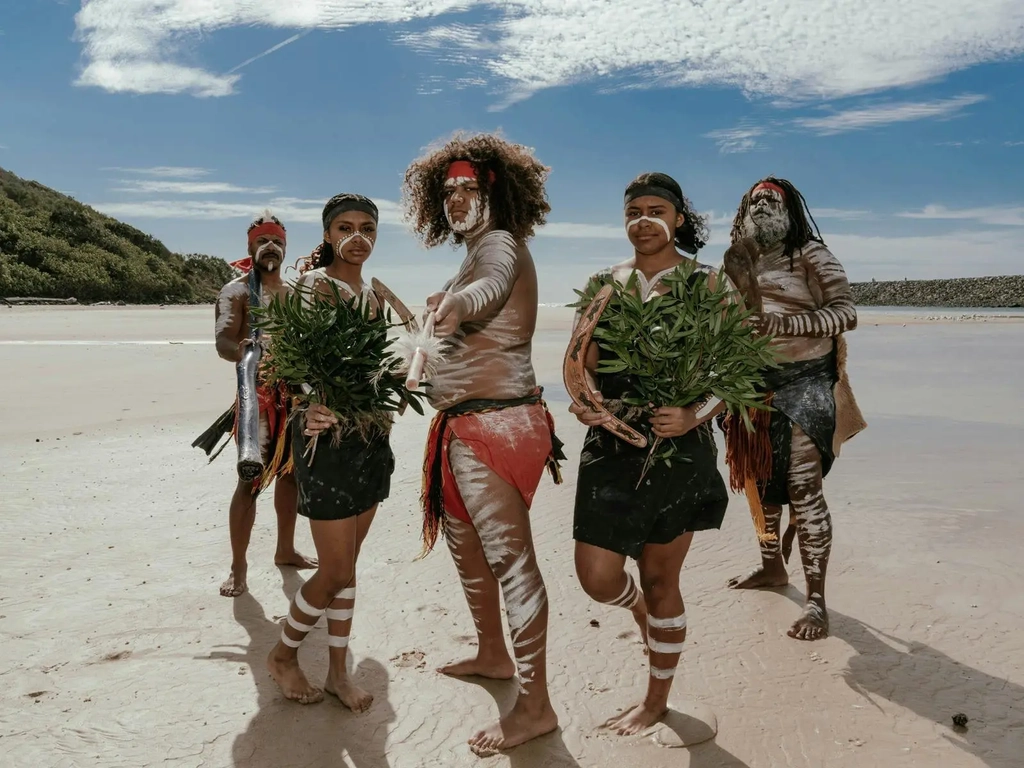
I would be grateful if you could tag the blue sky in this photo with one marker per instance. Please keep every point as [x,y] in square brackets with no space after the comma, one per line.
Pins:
[902,123]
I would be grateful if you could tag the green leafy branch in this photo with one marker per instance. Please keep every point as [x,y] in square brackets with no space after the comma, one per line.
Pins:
[681,346]
[341,351]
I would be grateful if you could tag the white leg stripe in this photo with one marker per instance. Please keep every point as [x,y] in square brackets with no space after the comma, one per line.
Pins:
[337,642]
[672,622]
[630,592]
[339,614]
[294,624]
[657,647]
[348,593]
[662,674]
[306,608]
[289,642]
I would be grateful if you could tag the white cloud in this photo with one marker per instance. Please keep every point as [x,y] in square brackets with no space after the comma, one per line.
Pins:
[999,215]
[884,114]
[840,213]
[793,49]
[188,188]
[734,140]
[1013,143]
[165,171]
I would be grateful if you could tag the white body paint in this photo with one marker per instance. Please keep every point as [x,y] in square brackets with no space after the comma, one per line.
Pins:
[504,548]
[498,364]
[229,294]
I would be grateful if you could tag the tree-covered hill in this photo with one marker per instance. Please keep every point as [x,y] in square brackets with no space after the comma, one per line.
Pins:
[52,246]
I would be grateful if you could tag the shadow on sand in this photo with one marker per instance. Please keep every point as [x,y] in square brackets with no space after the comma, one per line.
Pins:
[933,686]
[283,734]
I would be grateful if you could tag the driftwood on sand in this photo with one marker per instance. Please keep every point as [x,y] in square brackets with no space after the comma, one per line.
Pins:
[16,300]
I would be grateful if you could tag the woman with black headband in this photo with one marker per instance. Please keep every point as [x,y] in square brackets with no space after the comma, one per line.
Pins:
[339,491]
[653,522]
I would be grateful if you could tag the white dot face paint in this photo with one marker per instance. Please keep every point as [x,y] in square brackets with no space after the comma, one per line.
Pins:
[340,245]
[659,222]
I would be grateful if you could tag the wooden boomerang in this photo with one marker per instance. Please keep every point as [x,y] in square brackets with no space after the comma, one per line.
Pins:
[406,315]
[574,369]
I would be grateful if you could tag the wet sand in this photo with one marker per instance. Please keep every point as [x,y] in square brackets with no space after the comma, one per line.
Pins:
[118,650]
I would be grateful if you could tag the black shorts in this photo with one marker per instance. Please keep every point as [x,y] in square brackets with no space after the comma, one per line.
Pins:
[613,513]
[344,480]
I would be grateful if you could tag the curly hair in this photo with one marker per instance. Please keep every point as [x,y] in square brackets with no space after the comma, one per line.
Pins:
[802,226]
[518,201]
[690,237]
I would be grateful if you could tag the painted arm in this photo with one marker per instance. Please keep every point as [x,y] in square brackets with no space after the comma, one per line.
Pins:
[495,273]
[229,315]
[838,313]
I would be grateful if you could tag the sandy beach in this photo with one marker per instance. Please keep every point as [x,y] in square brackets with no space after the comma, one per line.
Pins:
[119,651]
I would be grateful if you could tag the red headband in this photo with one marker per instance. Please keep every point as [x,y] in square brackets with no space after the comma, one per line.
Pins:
[267,228]
[463,169]
[769,185]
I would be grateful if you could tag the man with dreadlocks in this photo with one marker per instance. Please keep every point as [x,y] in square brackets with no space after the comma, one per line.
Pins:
[492,438]
[806,306]
[267,244]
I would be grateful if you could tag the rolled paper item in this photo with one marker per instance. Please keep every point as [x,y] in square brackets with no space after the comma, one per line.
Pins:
[419,357]
[574,369]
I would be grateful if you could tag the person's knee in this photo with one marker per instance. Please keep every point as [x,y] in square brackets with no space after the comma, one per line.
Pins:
[336,577]
[601,584]
[660,588]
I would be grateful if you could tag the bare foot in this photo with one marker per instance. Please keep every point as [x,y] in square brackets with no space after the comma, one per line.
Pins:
[769,575]
[813,623]
[517,727]
[635,720]
[235,584]
[494,668]
[352,696]
[289,678]
[295,559]
[640,617]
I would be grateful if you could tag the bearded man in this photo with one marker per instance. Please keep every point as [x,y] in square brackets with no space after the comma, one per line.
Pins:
[267,243]
[492,437]
[806,307]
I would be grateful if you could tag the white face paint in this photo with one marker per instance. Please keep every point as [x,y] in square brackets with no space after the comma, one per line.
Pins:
[338,246]
[269,247]
[474,216]
[766,220]
[660,222]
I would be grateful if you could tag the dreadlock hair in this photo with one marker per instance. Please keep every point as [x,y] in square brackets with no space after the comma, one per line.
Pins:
[518,202]
[693,234]
[802,226]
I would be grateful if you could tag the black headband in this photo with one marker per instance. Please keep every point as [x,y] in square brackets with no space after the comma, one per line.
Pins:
[343,203]
[643,190]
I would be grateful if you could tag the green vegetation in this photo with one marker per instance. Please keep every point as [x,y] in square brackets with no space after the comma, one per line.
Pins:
[52,246]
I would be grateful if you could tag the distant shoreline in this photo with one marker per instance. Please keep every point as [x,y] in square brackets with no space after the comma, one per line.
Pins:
[962,294]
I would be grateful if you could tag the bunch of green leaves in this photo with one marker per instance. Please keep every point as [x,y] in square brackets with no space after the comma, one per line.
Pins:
[681,346]
[340,351]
